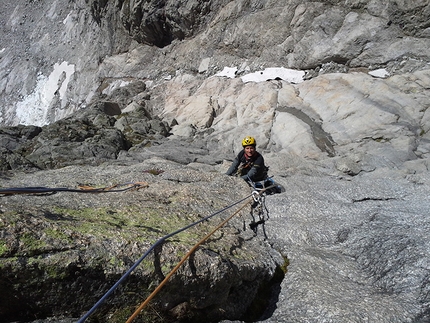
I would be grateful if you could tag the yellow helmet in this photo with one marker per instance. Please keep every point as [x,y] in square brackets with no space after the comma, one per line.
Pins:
[248,141]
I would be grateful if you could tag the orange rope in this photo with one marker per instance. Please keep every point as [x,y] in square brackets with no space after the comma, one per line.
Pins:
[151,296]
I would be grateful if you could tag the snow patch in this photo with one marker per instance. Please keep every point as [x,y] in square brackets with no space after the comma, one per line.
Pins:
[382,73]
[228,72]
[273,73]
[35,108]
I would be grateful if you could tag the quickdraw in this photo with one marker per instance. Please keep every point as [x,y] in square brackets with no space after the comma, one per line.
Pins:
[258,210]
[256,196]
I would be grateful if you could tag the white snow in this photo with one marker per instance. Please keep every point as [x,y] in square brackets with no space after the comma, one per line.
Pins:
[34,109]
[228,72]
[272,73]
[382,73]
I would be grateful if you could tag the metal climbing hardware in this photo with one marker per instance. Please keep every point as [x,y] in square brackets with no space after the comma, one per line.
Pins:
[254,225]
[257,199]
[259,212]
[256,196]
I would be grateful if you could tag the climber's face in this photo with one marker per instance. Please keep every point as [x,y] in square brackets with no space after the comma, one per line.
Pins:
[249,151]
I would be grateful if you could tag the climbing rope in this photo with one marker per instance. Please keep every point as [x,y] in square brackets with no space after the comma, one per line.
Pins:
[157,243]
[189,253]
[81,189]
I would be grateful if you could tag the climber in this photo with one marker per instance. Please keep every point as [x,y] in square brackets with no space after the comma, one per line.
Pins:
[248,164]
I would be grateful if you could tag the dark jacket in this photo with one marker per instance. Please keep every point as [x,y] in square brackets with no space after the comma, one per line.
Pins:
[248,168]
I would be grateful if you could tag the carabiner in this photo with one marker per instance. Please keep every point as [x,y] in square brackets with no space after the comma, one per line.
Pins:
[256,196]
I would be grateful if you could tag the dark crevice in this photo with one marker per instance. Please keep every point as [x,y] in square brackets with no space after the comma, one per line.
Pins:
[374,199]
[265,302]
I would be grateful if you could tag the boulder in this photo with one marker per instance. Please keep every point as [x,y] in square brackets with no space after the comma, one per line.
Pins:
[71,248]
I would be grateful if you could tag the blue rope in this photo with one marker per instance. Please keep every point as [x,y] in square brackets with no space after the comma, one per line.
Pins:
[161,240]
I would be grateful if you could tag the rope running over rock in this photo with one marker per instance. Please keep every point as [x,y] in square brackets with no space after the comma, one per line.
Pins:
[137,185]
[157,243]
[191,251]
[81,189]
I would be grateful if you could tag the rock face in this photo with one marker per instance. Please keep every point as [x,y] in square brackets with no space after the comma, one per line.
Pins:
[363,239]
[161,22]
[71,248]
[317,37]
[336,93]
[336,107]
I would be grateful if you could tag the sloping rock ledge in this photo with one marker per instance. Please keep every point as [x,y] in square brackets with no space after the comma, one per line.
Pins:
[60,253]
